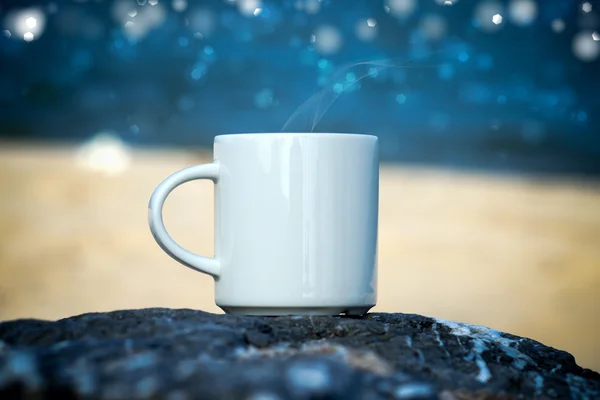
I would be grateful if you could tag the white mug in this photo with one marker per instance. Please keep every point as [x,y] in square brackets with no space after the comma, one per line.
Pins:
[295,223]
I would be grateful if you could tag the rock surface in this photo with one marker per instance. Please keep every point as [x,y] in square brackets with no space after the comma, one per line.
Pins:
[187,354]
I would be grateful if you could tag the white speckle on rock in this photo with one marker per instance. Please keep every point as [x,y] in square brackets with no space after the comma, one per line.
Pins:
[439,340]
[61,345]
[413,391]
[245,352]
[20,367]
[339,329]
[312,377]
[128,345]
[539,385]
[482,337]
[205,358]
[357,359]
[141,360]
[479,347]
[185,369]
[484,374]
[146,387]
[253,352]
[555,369]
[420,356]
[317,347]
[263,396]
[85,383]
[83,377]
[580,388]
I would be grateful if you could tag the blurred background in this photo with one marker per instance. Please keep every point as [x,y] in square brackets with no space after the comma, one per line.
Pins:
[488,114]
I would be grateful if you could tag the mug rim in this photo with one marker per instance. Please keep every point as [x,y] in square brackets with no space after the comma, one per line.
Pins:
[299,134]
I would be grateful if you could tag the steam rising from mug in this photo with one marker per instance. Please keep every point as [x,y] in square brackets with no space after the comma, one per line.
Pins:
[307,116]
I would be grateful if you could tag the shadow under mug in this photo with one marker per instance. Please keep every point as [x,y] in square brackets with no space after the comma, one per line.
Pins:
[295,223]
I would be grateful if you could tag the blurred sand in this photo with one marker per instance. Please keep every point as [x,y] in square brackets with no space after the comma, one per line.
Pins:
[517,254]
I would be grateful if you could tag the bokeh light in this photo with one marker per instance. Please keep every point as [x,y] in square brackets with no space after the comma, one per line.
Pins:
[328,39]
[311,6]
[558,25]
[433,26]
[586,7]
[250,8]
[401,8]
[522,12]
[585,47]
[264,98]
[123,10]
[27,24]
[30,22]
[202,21]
[52,8]
[105,153]
[144,21]
[179,5]
[484,15]
[366,29]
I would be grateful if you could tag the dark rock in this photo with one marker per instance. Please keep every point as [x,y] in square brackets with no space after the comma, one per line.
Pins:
[258,339]
[186,354]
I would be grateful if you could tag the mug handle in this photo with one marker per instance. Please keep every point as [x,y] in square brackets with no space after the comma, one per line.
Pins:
[206,265]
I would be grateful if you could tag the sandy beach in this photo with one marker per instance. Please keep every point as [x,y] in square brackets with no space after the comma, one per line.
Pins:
[517,254]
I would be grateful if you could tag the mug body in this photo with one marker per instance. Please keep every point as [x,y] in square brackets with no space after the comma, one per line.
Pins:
[296,223]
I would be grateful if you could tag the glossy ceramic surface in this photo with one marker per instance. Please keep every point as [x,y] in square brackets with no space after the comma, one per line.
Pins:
[295,223]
